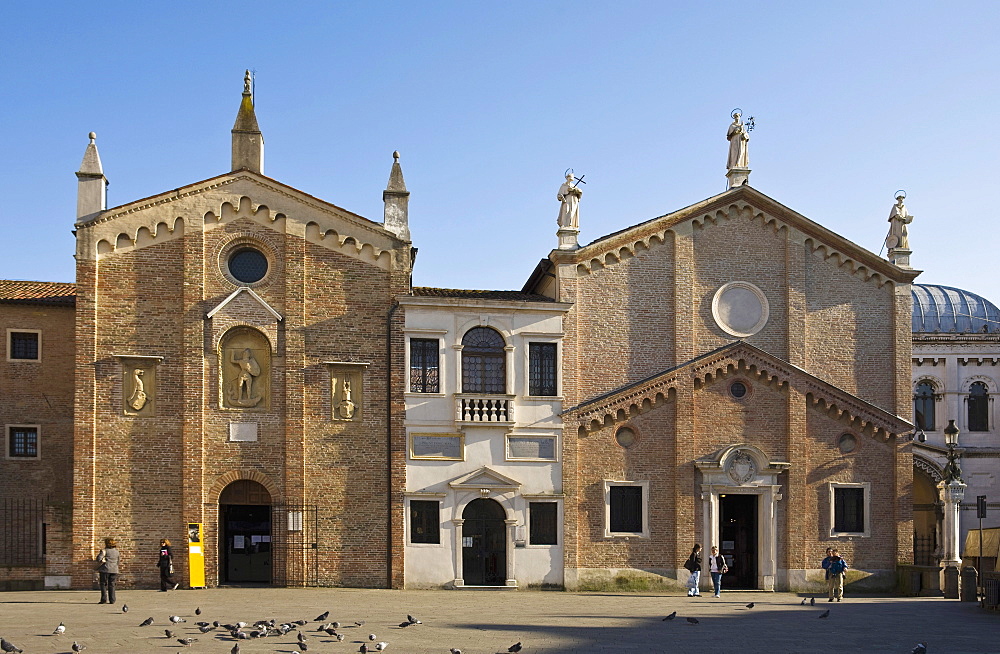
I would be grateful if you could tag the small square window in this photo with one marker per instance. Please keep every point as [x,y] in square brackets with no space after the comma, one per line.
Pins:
[425,521]
[543,521]
[23,345]
[850,509]
[627,508]
[22,442]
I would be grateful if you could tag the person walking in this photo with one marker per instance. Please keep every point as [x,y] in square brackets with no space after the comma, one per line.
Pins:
[693,565]
[717,568]
[166,566]
[835,575]
[107,568]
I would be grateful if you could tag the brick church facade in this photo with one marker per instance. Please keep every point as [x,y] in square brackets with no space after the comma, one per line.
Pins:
[245,359]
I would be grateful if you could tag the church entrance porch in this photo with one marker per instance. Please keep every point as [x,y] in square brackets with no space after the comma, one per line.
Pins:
[738,539]
[484,544]
[245,533]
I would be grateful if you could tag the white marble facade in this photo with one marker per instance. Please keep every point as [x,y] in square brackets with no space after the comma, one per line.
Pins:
[500,443]
[956,355]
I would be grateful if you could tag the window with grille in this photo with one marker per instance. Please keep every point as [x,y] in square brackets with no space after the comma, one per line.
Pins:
[22,442]
[542,369]
[979,407]
[424,365]
[484,368]
[24,346]
[425,523]
[543,518]
[923,406]
[625,509]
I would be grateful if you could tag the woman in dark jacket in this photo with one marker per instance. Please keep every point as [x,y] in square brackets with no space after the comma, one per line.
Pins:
[166,566]
[693,564]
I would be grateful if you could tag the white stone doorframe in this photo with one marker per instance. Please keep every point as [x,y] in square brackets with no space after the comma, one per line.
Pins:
[721,476]
[505,500]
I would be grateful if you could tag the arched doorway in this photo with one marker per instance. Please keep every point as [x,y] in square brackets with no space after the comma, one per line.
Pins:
[245,528]
[927,517]
[484,544]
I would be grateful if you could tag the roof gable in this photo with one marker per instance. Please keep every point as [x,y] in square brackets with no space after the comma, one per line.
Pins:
[213,202]
[644,395]
[742,202]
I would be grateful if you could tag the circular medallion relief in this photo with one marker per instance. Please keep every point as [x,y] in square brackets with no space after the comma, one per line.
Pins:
[740,309]
[847,443]
[626,437]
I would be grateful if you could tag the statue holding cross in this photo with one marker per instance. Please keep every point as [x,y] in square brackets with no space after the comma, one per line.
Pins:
[569,195]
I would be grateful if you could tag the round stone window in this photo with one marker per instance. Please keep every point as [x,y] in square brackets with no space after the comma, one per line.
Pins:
[847,443]
[247,265]
[740,309]
[738,390]
[626,437]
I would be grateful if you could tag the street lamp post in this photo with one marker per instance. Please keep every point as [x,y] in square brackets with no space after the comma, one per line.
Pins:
[953,491]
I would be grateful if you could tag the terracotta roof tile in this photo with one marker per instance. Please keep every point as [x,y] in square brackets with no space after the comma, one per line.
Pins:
[25,292]
[427,291]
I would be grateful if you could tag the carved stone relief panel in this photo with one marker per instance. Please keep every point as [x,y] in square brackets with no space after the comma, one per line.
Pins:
[245,369]
[139,385]
[346,390]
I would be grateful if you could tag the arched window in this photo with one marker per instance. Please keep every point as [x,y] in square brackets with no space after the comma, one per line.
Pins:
[979,407]
[484,368]
[923,406]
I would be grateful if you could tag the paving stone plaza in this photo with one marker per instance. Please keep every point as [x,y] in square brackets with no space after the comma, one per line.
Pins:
[478,622]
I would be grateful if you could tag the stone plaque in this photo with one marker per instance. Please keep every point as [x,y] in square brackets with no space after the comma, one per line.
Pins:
[437,446]
[243,431]
[536,448]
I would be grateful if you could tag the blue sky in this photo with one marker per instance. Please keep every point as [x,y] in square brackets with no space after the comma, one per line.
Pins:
[490,102]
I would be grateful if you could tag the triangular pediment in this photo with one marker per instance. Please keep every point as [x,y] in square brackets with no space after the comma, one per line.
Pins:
[246,296]
[485,477]
[738,357]
[740,203]
[242,194]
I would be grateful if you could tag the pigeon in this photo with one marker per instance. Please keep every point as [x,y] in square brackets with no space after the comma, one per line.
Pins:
[145,623]
[812,601]
[301,623]
[516,647]
[330,631]
[176,618]
[670,617]
[919,649]
[371,637]
[340,638]
[77,647]
[202,624]
[381,645]
[186,642]
[750,605]
[235,649]
[803,602]
[404,624]
[197,611]
[8,646]
[359,623]
[413,620]
[692,620]
[168,633]
[302,637]
[824,614]
[455,650]
[124,608]
[60,630]
[364,648]
[207,628]
[304,646]
[335,624]
[322,616]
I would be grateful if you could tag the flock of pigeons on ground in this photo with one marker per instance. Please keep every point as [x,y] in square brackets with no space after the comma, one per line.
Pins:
[331,632]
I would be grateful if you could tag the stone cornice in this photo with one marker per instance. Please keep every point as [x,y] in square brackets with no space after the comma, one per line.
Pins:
[480,303]
[743,358]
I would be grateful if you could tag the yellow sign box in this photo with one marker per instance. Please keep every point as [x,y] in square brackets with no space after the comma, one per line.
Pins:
[196,555]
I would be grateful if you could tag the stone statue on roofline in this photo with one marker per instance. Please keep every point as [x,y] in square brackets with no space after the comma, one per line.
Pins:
[738,140]
[569,195]
[899,218]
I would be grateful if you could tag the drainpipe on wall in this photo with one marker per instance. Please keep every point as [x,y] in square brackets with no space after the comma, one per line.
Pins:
[388,443]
